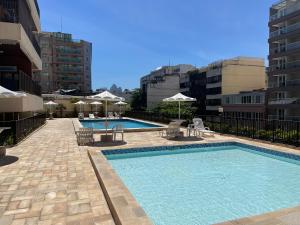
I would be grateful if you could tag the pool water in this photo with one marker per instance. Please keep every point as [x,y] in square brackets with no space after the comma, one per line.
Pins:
[199,186]
[99,124]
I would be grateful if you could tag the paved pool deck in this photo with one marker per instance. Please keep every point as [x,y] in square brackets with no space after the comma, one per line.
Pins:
[53,182]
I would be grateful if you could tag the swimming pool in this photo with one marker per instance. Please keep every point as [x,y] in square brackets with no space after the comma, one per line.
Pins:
[127,123]
[206,184]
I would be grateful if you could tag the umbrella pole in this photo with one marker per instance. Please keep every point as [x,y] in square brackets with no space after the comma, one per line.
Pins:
[106,117]
[179,110]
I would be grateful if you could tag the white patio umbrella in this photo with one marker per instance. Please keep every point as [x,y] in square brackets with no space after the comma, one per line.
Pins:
[120,104]
[107,97]
[96,104]
[179,98]
[80,103]
[50,104]
[6,93]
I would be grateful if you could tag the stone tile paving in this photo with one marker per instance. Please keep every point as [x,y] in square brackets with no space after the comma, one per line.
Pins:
[53,182]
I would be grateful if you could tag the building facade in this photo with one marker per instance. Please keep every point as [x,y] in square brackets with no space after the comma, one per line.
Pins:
[232,76]
[66,63]
[162,83]
[247,105]
[193,84]
[284,60]
[20,56]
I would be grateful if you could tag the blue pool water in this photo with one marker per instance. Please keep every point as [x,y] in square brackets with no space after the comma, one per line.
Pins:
[99,124]
[200,186]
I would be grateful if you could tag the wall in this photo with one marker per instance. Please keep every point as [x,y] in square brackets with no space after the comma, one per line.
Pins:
[157,92]
[243,75]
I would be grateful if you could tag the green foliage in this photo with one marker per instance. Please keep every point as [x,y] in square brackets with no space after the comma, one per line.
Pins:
[170,109]
[6,138]
[138,100]
[60,107]
[74,100]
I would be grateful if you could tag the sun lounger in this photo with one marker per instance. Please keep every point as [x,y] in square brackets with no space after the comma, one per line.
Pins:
[80,116]
[91,116]
[172,131]
[85,136]
[110,115]
[198,128]
[118,129]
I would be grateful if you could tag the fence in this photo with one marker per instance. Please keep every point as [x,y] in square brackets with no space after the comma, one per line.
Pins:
[19,129]
[280,131]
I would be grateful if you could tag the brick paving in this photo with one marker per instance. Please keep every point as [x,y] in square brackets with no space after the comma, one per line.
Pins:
[53,182]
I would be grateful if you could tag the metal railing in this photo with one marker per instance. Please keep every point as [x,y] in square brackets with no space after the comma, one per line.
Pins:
[284,101]
[285,30]
[280,131]
[23,127]
[288,10]
[20,82]
[288,65]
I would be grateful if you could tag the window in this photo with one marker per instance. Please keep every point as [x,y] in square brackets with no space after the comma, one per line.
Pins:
[257,99]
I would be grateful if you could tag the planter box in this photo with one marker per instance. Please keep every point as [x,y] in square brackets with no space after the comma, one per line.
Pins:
[2,151]
[106,138]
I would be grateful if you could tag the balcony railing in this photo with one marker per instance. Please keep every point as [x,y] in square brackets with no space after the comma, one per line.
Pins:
[284,101]
[19,82]
[285,30]
[288,83]
[288,47]
[289,65]
[289,10]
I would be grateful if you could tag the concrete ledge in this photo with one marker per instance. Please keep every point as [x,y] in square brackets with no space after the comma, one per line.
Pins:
[123,206]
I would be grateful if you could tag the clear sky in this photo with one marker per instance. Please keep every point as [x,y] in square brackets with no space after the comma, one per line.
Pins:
[132,37]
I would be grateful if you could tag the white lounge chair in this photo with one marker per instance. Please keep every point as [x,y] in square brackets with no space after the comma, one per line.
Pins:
[117,115]
[85,136]
[91,116]
[80,116]
[172,131]
[118,129]
[198,128]
[110,115]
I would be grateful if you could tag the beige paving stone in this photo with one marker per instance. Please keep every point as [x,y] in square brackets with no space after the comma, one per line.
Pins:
[51,173]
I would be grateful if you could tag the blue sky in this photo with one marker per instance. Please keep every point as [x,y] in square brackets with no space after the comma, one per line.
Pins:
[132,37]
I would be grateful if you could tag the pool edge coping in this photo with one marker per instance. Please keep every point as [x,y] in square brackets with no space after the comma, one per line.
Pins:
[124,207]
[125,193]
[129,130]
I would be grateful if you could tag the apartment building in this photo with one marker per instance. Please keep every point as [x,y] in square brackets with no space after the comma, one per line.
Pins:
[19,57]
[193,84]
[284,60]
[248,105]
[66,63]
[232,76]
[163,82]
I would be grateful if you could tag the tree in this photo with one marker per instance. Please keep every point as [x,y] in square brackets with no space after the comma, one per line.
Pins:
[60,108]
[170,109]
[138,100]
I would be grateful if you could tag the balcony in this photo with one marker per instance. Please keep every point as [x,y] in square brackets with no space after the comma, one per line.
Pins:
[288,83]
[291,8]
[285,30]
[289,48]
[19,82]
[285,66]
[285,101]
[70,70]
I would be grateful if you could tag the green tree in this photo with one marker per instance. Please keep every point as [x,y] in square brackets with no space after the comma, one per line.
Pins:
[170,109]
[60,107]
[138,100]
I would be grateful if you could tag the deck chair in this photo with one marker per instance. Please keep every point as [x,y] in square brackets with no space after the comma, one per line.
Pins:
[199,128]
[172,131]
[118,129]
[80,116]
[91,116]
[85,136]
[110,115]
